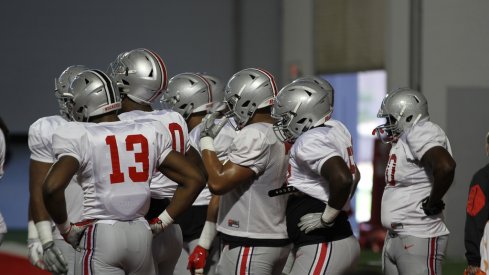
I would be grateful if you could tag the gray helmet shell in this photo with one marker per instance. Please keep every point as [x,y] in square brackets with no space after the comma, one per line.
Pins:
[188,93]
[402,108]
[94,94]
[140,74]
[300,106]
[62,86]
[248,90]
[217,90]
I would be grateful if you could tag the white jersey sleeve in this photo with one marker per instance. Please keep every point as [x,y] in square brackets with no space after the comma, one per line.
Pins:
[425,136]
[40,138]
[69,140]
[307,152]
[250,149]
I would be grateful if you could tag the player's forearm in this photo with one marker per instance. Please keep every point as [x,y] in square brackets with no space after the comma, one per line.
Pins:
[443,178]
[55,204]
[340,189]
[214,169]
[37,173]
[194,157]
[213,209]
[183,198]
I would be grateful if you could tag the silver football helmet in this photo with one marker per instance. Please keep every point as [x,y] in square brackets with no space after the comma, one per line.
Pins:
[300,106]
[140,74]
[402,109]
[94,94]
[61,88]
[248,90]
[217,90]
[188,93]
[323,83]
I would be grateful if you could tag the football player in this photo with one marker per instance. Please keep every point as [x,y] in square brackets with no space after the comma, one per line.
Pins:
[114,161]
[39,228]
[322,170]
[419,172]
[476,219]
[252,225]
[201,245]
[204,93]
[141,77]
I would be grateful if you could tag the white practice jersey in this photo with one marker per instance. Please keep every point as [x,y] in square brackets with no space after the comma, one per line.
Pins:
[247,210]
[408,183]
[311,150]
[117,160]
[222,144]
[41,147]
[161,186]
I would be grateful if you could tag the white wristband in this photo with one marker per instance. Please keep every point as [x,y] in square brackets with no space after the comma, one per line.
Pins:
[165,218]
[208,234]
[32,231]
[207,143]
[64,227]
[329,214]
[44,228]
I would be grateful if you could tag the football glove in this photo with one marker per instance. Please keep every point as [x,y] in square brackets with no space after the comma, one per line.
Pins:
[431,209]
[209,127]
[35,253]
[159,223]
[53,258]
[75,233]
[313,221]
[197,260]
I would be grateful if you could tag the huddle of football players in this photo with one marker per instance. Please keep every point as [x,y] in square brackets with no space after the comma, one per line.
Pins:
[236,178]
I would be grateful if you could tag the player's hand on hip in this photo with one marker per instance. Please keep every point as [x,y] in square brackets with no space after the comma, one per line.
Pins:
[197,260]
[35,253]
[53,258]
[209,127]
[473,270]
[431,208]
[156,226]
[75,233]
[313,221]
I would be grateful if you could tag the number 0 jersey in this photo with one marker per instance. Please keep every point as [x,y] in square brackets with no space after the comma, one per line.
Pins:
[222,143]
[247,211]
[161,186]
[311,150]
[408,183]
[116,162]
[41,147]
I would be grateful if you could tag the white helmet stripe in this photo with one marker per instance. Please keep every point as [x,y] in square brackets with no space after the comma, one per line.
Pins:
[272,80]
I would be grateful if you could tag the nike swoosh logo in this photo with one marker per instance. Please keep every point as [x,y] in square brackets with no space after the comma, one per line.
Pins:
[408,246]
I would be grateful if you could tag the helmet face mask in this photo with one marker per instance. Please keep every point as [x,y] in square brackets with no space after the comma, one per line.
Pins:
[402,108]
[140,74]
[300,106]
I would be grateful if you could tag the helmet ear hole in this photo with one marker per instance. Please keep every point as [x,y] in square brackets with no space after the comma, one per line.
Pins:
[409,118]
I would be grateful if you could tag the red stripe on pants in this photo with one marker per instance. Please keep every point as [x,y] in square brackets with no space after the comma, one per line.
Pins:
[322,259]
[88,252]
[432,258]
[244,261]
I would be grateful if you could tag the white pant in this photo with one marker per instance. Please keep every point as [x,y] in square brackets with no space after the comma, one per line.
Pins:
[116,249]
[484,249]
[166,248]
[330,258]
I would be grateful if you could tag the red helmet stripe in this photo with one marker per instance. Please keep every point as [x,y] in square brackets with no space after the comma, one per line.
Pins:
[164,82]
[209,92]
[272,80]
